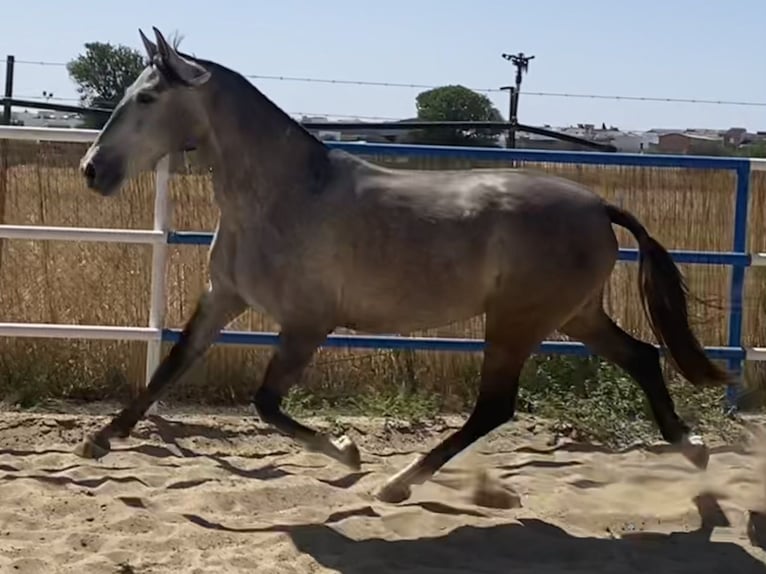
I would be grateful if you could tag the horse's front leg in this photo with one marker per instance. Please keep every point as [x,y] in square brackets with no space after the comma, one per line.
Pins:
[285,369]
[215,309]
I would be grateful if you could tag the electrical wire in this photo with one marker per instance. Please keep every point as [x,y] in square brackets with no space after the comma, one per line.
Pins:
[368,83]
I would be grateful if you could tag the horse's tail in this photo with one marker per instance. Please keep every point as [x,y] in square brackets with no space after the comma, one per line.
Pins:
[664,299]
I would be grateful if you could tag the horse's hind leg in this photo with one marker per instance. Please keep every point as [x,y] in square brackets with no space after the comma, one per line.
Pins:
[504,358]
[593,327]
[285,368]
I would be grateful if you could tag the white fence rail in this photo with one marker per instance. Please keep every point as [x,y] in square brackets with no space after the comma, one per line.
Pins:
[156,237]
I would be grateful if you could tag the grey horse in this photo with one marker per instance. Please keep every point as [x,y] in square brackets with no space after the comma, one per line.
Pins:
[320,239]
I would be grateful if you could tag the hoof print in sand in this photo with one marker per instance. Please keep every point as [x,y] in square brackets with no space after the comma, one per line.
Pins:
[90,448]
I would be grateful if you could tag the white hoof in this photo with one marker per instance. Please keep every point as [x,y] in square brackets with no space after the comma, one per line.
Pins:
[393,492]
[398,487]
[348,452]
[341,449]
[695,450]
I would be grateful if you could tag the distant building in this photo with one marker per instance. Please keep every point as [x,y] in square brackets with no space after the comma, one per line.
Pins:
[525,140]
[360,134]
[735,136]
[634,142]
[689,143]
[46,119]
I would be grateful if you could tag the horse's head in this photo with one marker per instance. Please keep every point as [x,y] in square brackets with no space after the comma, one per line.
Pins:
[160,113]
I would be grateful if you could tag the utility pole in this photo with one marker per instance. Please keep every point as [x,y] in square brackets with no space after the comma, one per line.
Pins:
[522,65]
[9,65]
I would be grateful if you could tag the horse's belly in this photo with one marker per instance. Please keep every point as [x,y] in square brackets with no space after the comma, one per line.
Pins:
[412,305]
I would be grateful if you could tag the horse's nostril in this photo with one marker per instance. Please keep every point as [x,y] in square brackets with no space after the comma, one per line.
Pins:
[89,171]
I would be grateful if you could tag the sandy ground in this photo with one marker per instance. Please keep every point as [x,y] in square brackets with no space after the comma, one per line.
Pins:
[223,493]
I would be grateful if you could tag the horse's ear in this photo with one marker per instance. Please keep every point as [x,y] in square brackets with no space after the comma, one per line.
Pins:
[190,73]
[149,46]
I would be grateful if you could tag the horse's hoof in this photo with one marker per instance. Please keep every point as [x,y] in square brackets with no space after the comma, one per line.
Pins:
[393,492]
[695,450]
[93,447]
[349,453]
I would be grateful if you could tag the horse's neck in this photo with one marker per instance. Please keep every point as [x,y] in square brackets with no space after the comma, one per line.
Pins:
[259,158]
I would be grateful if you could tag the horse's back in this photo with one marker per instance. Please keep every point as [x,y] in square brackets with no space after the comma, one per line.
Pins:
[444,195]
[468,212]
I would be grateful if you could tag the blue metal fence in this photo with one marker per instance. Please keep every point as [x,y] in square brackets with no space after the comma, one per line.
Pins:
[738,258]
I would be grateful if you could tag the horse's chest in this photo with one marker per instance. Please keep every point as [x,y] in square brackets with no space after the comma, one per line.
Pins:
[271,279]
[258,278]
[277,273]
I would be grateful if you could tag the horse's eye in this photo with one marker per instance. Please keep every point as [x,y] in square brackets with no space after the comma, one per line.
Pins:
[144,98]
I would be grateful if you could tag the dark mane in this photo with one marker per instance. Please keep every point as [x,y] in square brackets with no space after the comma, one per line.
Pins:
[240,82]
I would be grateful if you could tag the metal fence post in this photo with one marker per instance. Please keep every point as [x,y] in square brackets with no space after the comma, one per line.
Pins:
[9,69]
[4,145]
[159,257]
[739,244]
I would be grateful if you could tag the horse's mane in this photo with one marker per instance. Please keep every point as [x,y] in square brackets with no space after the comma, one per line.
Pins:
[242,85]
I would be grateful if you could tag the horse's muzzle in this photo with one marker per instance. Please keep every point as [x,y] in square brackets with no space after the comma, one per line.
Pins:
[89,171]
[100,174]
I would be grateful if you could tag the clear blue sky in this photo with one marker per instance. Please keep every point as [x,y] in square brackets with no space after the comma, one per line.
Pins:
[700,49]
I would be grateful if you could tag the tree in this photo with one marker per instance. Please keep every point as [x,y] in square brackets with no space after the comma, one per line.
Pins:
[455,103]
[102,75]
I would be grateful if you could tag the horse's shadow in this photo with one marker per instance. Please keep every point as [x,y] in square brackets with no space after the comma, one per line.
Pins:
[169,434]
[531,546]
[527,546]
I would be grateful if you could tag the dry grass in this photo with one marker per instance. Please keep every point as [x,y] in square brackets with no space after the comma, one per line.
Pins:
[109,284]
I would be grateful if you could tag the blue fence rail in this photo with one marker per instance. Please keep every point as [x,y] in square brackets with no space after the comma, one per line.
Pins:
[738,258]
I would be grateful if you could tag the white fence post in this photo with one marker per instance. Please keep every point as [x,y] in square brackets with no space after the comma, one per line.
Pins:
[159,257]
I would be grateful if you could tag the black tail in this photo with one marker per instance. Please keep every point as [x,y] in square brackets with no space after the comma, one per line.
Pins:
[664,299]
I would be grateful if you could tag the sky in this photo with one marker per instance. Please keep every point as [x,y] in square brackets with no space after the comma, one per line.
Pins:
[688,49]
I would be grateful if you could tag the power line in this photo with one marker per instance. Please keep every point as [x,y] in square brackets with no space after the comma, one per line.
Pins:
[497,90]
[55,99]
[648,99]
[381,84]
[39,63]
[355,82]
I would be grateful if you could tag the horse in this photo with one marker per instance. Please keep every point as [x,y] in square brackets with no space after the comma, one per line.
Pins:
[320,239]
